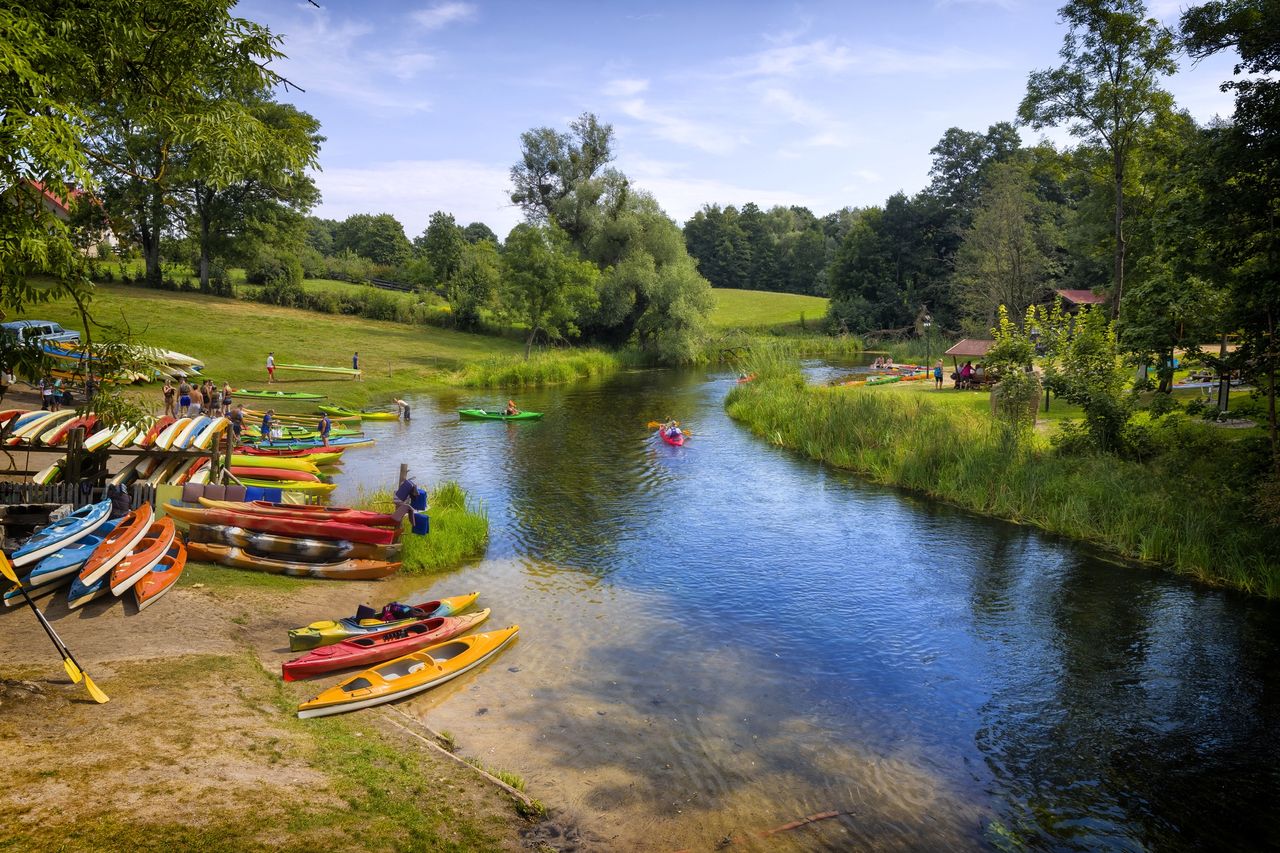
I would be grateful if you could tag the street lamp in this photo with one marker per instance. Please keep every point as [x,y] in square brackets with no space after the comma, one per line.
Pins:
[928,339]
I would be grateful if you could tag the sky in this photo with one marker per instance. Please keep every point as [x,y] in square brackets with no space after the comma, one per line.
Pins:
[821,104]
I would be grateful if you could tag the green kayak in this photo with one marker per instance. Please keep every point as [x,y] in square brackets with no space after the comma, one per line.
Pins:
[364,414]
[498,416]
[277,395]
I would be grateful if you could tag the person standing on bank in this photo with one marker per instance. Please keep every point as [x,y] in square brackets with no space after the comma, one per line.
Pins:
[271,367]
[170,394]
[402,408]
[184,397]
[937,374]
[325,426]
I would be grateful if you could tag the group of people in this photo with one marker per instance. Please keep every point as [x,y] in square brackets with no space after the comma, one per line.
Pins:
[52,395]
[882,363]
[186,400]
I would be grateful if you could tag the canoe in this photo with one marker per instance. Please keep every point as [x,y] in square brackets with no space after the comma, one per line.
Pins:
[380,645]
[315,443]
[676,440]
[306,511]
[326,632]
[124,435]
[229,555]
[100,438]
[296,547]
[316,455]
[289,526]
[118,544]
[277,395]
[144,555]
[62,533]
[363,414]
[184,473]
[129,472]
[291,463]
[166,469]
[163,575]
[81,593]
[266,473]
[481,414]
[59,567]
[409,675]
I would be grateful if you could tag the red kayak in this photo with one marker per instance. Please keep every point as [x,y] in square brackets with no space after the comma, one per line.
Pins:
[318,528]
[56,437]
[149,438]
[383,645]
[309,512]
[674,440]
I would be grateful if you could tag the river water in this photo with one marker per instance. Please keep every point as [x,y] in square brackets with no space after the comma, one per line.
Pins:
[723,638]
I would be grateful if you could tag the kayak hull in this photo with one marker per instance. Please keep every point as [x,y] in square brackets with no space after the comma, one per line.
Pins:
[163,575]
[380,645]
[62,533]
[409,675]
[329,631]
[229,555]
[288,526]
[482,415]
[298,548]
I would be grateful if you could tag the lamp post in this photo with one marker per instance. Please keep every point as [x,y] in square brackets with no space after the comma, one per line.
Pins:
[928,339]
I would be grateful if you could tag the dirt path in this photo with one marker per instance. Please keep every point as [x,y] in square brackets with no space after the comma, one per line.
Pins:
[199,746]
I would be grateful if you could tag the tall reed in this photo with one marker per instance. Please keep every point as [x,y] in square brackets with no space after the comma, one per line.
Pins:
[459,529]
[549,368]
[1141,510]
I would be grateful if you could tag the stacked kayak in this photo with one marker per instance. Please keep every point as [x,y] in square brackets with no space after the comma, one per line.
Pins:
[309,512]
[409,675]
[62,533]
[297,396]
[57,569]
[299,548]
[369,621]
[482,414]
[289,526]
[229,555]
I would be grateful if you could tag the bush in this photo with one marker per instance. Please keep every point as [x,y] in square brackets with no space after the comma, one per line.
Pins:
[272,268]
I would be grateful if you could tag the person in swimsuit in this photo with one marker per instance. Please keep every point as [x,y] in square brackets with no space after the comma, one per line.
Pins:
[170,394]
[184,398]
[511,409]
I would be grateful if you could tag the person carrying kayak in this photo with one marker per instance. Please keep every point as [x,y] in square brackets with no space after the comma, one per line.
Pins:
[402,409]
[511,409]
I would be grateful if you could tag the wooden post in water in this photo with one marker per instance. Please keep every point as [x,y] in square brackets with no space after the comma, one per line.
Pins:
[404,473]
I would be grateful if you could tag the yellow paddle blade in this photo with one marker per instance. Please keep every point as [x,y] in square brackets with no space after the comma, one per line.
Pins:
[73,671]
[654,424]
[6,568]
[95,691]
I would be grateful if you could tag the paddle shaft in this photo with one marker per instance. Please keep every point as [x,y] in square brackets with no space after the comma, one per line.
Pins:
[48,629]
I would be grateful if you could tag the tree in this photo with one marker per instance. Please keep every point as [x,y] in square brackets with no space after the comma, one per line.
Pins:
[474,289]
[1082,365]
[444,245]
[380,238]
[561,177]
[545,285]
[1106,91]
[961,160]
[477,232]
[1005,259]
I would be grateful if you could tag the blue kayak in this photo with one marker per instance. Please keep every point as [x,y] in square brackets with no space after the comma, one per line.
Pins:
[62,532]
[82,594]
[57,568]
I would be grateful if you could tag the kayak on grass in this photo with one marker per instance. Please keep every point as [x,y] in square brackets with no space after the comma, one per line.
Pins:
[367,621]
[278,395]
[481,414]
[59,567]
[380,645]
[295,547]
[410,674]
[229,555]
[306,511]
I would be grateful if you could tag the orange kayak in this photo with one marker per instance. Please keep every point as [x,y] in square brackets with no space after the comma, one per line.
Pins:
[144,555]
[163,575]
[127,534]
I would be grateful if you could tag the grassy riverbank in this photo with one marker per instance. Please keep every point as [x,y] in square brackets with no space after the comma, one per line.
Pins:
[1189,508]
[459,529]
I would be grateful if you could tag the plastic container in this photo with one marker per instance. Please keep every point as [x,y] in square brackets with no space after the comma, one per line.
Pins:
[421,524]
[419,500]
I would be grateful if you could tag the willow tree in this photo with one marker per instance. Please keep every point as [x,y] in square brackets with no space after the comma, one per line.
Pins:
[1105,91]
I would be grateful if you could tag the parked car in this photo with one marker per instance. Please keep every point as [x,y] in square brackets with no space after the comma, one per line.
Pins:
[39,330]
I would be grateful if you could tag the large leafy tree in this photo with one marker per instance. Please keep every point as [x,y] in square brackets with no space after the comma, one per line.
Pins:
[1105,91]
[961,161]
[546,285]
[1242,187]
[378,237]
[444,246]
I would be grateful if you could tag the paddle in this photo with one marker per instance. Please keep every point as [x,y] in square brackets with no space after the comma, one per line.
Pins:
[74,672]
[656,424]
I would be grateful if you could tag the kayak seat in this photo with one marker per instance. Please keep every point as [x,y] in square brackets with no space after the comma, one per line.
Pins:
[357,684]
[449,652]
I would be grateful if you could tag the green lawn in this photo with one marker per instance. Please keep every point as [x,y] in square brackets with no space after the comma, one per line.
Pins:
[233,337]
[755,309]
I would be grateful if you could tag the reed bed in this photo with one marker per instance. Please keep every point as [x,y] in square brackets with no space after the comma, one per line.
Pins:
[1147,511]
[549,368]
[459,529]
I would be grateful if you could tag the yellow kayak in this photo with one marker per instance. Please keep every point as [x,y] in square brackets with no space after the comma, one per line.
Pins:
[329,631]
[287,463]
[290,485]
[410,674]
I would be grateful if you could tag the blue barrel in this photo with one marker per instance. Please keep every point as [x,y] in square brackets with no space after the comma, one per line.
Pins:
[421,524]
[419,500]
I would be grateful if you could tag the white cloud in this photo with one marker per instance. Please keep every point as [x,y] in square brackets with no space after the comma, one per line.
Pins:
[442,14]
[326,59]
[414,189]
[681,196]
[625,87]
[1007,5]
[829,57]
[827,131]
[674,128]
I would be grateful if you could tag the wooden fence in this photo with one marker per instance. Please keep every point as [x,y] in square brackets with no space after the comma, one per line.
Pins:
[77,494]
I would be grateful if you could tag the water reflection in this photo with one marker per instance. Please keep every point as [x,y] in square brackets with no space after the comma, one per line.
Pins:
[721,638]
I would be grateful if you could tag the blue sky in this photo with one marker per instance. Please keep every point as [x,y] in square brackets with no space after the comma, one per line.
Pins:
[824,104]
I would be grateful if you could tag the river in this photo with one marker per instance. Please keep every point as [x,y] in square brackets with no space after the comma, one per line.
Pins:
[722,638]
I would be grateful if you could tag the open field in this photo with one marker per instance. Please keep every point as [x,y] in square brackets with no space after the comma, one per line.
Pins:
[756,309]
[233,338]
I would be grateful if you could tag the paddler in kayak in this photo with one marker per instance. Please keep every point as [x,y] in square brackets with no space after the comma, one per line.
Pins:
[512,409]
[671,429]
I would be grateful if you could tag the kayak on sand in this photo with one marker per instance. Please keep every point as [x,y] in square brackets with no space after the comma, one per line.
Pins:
[381,645]
[367,621]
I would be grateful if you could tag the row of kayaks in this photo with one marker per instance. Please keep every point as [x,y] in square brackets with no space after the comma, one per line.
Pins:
[873,381]
[408,648]
[97,555]
[70,361]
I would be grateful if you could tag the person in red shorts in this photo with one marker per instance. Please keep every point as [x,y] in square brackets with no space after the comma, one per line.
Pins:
[271,367]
